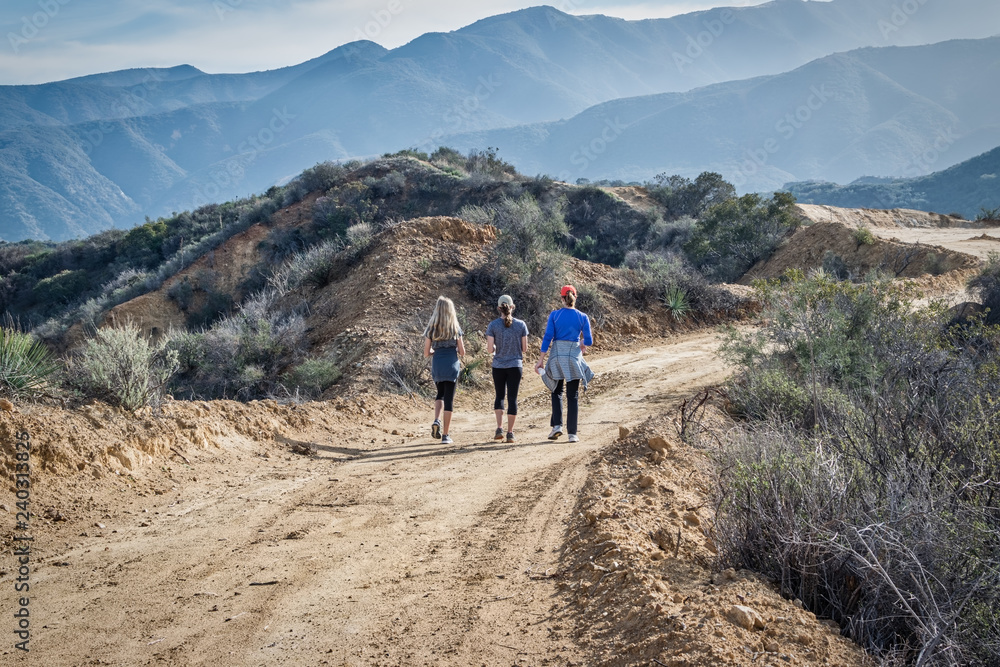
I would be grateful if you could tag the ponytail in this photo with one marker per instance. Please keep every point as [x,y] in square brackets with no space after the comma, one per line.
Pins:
[570,299]
[505,311]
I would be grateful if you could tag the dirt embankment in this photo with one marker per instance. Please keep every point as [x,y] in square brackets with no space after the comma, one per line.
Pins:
[640,570]
[882,218]
[978,239]
[810,245]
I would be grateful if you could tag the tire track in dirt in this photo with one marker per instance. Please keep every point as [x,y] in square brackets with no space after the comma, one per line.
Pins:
[409,553]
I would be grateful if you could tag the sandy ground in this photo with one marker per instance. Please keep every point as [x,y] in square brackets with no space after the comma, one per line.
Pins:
[977,242]
[393,550]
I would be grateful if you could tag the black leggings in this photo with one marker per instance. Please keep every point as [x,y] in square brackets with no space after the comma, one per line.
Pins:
[572,408]
[446,393]
[506,380]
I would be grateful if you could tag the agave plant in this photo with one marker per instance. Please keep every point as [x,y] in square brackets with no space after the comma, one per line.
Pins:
[676,302]
[25,364]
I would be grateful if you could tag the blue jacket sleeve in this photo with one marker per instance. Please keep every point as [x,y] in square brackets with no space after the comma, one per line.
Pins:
[550,332]
[588,339]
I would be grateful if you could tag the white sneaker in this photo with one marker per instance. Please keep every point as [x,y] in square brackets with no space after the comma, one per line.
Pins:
[556,432]
[573,438]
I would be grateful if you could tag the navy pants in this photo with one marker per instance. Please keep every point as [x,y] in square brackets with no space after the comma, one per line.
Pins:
[572,405]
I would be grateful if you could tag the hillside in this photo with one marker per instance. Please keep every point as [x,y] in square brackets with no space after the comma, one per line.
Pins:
[87,154]
[967,189]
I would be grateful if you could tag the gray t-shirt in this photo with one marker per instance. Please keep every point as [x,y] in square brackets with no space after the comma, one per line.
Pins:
[508,342]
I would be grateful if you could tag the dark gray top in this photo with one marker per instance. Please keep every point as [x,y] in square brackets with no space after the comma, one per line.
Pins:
[453,342]
[507,342]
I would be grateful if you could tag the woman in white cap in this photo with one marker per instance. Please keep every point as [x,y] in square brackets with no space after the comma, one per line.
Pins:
[507,341]
[443,339]
[568,333]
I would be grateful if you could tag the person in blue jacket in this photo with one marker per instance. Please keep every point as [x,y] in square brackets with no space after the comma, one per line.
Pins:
[568,334]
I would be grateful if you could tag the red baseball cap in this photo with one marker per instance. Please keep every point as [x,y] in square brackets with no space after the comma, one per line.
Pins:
[567,289]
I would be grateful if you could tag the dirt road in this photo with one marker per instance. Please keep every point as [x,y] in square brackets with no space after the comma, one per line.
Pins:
[392,551]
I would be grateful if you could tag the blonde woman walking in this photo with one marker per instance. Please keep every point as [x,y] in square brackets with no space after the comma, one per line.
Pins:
[443,341]
[507,341]
[568,333]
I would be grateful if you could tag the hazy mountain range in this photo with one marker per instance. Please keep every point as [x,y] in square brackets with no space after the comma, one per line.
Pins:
[897,111]
[967,189]
[93,152]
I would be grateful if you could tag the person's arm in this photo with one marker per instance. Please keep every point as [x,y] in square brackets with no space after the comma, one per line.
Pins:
[588,338]
[524,345]
[427,347]
[490,340]
[550,332]
[461,347]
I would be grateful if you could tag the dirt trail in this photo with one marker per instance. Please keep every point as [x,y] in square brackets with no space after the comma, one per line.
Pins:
[398,551]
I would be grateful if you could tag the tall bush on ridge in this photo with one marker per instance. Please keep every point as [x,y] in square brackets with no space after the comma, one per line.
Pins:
[863,477]
[525,261]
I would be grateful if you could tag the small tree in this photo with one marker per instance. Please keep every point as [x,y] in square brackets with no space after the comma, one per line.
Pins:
[738,233]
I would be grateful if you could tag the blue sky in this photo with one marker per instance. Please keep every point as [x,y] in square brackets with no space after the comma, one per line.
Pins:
[50,40]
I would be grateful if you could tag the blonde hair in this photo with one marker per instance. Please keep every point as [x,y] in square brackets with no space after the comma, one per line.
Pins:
[443,324]
[570,299]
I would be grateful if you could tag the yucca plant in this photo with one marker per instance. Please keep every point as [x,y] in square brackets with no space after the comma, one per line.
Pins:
[676,302]
[25,364]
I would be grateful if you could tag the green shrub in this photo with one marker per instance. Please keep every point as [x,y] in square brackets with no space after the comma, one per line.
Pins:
[863,236]
[676,302]
[119,366]
[988,214]
[25,364]
[834,265]
[682,197]
[987,286]
[489,163]
[405,372]
[737,233]
[240,356]
[313,376]
[862,478]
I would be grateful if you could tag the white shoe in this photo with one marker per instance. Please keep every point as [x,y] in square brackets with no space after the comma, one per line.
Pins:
[573,438]
[556,432]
